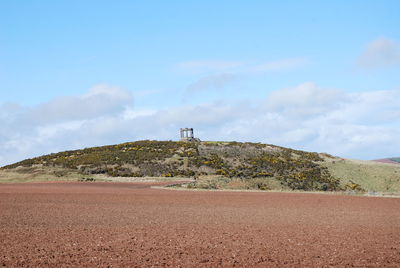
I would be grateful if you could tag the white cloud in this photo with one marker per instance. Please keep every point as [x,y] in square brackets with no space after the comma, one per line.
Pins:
[375,107]
[9,111]
[131,113]
[58,124]
[306,99]
[211,82]
[379,53]
[221,74]
[362,125]
[201,66]
[280,65]
[101,99]
[242,67]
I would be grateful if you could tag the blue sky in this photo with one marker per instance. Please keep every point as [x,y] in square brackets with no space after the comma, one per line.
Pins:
[312,75]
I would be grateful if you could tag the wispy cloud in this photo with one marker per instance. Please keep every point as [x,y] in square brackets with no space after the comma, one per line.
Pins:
[280,65]
[218,66]
[211,82]
[379,53]
[201,66]
[222,74]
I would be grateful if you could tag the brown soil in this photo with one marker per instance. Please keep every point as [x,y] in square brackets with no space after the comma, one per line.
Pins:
[130,224]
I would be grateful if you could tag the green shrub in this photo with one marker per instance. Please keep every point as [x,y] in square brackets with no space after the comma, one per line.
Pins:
[352,186]
[86,179]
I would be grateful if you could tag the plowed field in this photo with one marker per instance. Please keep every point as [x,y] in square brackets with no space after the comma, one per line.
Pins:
[131,224]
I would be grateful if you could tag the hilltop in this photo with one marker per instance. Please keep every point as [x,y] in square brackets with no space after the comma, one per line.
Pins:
[211,165]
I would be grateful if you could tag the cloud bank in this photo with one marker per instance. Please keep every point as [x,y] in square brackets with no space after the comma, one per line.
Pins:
[307,116]
[62,123]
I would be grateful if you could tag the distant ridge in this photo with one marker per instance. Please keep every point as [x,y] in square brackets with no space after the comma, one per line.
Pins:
[392,160]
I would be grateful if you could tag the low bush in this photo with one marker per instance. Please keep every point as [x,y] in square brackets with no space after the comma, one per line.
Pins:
[86,179]
[352,186]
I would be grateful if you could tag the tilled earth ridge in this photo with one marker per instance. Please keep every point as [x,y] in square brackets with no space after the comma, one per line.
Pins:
[132,225]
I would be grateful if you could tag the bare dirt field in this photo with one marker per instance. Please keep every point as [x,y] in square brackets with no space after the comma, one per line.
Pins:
[130,224]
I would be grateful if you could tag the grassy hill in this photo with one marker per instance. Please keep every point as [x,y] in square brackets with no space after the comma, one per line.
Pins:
[212,165]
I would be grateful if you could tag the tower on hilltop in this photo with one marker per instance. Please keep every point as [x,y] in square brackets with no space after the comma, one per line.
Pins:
[187,135]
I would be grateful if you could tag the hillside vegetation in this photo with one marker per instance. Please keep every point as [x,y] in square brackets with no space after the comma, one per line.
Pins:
[373,176]
[395,159]
[211,165]
[294,169]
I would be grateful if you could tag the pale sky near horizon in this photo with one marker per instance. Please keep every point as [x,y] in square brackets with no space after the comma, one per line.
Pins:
[311,75]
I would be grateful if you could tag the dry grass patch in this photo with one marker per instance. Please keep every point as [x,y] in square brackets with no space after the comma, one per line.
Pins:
[372,176]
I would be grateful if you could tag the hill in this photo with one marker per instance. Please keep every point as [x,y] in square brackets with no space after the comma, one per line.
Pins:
[212,165]
[392,160]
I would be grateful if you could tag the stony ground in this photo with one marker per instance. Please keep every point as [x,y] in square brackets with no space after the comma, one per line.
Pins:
[130,224]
